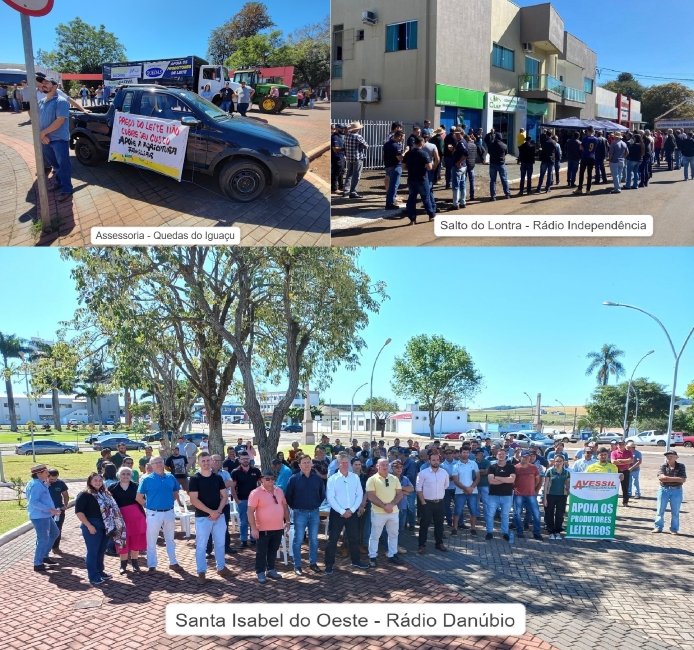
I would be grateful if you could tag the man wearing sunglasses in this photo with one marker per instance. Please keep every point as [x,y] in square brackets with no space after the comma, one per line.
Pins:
[268,516]
[385,492]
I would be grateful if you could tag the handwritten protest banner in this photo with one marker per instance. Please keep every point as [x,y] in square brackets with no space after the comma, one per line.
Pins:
[155,144]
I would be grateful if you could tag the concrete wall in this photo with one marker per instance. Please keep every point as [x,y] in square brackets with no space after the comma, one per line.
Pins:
[542,24]
[577,62]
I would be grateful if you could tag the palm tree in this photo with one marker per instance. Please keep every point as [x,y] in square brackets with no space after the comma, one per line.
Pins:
[11,347]
[606,363]
[41,350]
[93,386]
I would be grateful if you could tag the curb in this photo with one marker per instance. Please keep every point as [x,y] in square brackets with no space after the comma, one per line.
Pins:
[23,528]
[317,151]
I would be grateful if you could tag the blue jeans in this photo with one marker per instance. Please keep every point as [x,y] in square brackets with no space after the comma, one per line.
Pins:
[571,171]
[311,103]
[600,171]
[96,547]
[353,175]
[634,483]
[471,180]
[520,502]
[448,508]
[243,520]
[495,169]
[411,508]
[494,501]
[678,159]
[526,170]
[431,176]
[557,166]
[46,534]
[545,167]
[423,190]
[458,180]
[57,155]
[448,164]
[688,164]
[242,108]
[402,513]
[226,106]
[304,519]
[633,168]
[616,169]
[674,497]
[483,491]
[473,505]
[394,174]
[204,527]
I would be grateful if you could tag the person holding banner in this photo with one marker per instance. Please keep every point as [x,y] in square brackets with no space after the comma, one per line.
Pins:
[623,458]
[672,476]
[556,493]
[603,465]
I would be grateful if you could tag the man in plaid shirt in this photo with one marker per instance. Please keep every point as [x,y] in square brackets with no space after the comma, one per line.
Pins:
[355,153]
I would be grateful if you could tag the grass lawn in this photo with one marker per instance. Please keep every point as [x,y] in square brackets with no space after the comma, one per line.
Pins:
[11,515]
[307,449]
[69,465]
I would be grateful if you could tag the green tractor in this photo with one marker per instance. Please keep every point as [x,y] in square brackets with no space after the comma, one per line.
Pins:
[262,86]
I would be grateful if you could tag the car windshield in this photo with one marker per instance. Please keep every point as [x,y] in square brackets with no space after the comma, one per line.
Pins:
[536,436]
[203,105]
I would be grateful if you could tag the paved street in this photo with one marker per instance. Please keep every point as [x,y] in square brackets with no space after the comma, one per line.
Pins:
[668,199]
[119,195]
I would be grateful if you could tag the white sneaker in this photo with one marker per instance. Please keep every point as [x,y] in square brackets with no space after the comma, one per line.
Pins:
[552,536]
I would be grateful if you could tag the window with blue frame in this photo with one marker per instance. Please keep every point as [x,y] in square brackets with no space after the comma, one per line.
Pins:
[588,85]
[401,36]
[503,57]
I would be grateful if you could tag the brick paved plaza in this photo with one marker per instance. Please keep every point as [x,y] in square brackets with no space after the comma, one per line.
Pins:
[631,593]
[118,195]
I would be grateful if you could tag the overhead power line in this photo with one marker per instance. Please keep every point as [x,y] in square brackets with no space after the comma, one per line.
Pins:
[645,76]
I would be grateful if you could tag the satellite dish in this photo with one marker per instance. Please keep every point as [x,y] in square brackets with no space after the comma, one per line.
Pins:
[31,7]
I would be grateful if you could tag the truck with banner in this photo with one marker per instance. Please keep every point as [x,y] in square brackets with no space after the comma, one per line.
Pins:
[592,505]
[194,73]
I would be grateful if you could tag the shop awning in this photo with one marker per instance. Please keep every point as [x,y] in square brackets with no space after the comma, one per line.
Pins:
[576,123]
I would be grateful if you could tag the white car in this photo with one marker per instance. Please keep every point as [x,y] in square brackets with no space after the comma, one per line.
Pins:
[654,438]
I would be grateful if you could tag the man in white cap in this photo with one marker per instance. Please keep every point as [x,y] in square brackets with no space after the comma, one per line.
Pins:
[672,476]
[355,153]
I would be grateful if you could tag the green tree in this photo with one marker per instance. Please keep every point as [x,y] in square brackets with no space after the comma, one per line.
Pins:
[659,99]
[606,363]
[297,412]
[435,371]
[249,21]
[606,405]
[11,347]
[138,411]
[627,85]
[309,52]
[80,47]
[259,50]
[381,407]
[690,391]
[94,386]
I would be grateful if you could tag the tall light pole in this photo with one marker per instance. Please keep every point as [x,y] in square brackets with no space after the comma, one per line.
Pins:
[351,410]
[674,354]
[636,397]
[564,407]
[626,405]
[531,405]
[371,400]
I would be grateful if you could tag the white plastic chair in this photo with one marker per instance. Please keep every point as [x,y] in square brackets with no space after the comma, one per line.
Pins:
[283,548]
[183,514]
[234,516]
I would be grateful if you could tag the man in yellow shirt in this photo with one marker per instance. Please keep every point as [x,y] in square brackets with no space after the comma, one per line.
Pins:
[384,492]
[520,138]
[603,465]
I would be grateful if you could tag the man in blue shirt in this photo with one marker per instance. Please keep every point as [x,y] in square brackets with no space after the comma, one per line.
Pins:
[418,163]
[304,495]
[409,469]
[54,113]
[156,494]
[589,145]
[282,473]
[41,511]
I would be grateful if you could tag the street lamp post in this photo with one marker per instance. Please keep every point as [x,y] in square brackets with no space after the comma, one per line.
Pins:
[636,397]
[351,410]
[531,405]
[564,407]
[674,354]
[626,405]
[371,400]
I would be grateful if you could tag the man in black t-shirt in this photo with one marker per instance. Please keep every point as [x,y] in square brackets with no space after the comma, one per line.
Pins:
[178,466]
[548,154]
[337,158]
[449,143]
[245,479]
[392,161]
[60,496]
[501,477]
[208,495]
[231,462]
[497,166]
[418,163]
[355,446]
[227,95]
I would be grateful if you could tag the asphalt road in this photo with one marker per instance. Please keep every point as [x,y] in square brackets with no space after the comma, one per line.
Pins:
[668,199]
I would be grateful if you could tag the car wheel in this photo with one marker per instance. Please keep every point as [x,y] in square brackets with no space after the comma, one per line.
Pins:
[68,451]
[661,443]
[565,440]
[86,152]
[27,453]
[243,181]
[688,444]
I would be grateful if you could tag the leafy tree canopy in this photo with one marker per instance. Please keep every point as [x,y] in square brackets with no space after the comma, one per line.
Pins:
[658,99]
[249,21]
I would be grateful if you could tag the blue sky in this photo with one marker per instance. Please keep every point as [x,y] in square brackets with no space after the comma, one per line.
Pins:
[528,317]
[151,29]
[628,36]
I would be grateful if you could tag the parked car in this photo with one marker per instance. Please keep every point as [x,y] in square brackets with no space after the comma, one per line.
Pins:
[153,437]
[94,437]
[195,437]
[527,438]
[110,422]
[453,436]
[687,441]
[113,441]
[46,447]
[73,422]
[293,428]
[658,438]
[608,437]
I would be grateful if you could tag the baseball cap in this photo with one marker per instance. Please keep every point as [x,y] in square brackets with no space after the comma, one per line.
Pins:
[525,453]
[672,452]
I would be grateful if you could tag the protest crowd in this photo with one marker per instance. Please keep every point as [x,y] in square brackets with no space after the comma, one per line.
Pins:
[371,495]
[432,156]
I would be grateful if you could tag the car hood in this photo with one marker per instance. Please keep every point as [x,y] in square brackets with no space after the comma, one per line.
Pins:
[253,128]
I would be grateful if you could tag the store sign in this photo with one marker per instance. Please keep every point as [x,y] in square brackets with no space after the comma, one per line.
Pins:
[126,72]
[459,97]
[168,69]
[674,124]
[506,103]
[592,505]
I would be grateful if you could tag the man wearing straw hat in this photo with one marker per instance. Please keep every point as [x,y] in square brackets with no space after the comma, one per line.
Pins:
[355,153]
[41,511]
[617,160]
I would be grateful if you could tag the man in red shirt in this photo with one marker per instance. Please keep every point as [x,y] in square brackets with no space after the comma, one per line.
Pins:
[623,458]
[525,495]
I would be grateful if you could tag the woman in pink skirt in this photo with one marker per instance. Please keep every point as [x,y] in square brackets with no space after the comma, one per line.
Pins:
[124,494]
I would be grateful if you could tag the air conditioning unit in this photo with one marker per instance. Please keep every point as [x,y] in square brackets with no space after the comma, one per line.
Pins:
[369,18]
[369,94]
[528,47]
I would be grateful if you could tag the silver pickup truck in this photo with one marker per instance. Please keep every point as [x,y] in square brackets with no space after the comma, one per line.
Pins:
[525,439]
